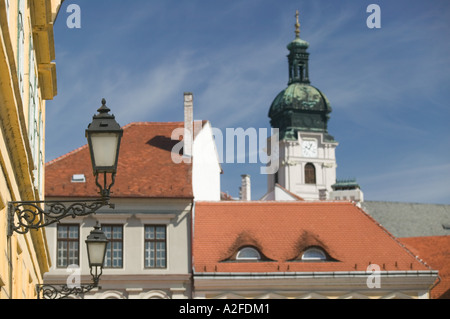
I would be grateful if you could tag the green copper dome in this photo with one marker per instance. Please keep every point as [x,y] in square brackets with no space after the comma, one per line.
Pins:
[301,97]
[301,106]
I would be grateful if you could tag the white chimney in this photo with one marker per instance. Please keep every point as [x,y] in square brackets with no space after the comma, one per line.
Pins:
[188,123]
[245,190]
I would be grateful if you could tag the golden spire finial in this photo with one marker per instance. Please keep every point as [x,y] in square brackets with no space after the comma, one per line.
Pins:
[297,25]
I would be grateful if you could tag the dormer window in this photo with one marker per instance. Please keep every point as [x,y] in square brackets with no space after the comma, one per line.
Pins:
[78,178]
[314,254]
[248,253]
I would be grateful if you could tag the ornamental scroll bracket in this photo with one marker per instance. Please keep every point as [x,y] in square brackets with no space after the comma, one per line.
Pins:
[26,215]
[48,291]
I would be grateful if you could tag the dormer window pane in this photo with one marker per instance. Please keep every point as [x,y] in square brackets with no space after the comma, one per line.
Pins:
[314,254]
[248,253]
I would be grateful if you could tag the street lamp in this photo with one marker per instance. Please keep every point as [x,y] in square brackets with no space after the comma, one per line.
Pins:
[96,244]
[96,250]
[103,135]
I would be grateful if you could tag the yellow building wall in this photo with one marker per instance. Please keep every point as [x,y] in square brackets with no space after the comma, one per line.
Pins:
[27,79]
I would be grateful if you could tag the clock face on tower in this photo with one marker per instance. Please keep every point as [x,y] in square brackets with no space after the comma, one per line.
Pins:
[309,148]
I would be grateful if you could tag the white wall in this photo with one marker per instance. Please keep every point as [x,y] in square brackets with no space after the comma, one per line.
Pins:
[206,167]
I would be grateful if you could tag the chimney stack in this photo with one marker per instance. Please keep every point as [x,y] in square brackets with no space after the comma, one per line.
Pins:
[188,123]
[245,190]
[322,194]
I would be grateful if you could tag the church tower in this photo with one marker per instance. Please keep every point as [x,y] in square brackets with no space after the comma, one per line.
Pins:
[306,152]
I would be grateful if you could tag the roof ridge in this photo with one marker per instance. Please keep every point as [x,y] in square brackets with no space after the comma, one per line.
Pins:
[405,203]
[150,123]
[124,127]
[66,155]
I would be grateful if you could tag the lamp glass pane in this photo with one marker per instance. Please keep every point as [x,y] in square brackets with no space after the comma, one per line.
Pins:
[104,146]
[96,253]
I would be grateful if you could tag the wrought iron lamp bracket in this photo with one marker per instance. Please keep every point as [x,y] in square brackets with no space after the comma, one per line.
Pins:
[56,291]
[26,215]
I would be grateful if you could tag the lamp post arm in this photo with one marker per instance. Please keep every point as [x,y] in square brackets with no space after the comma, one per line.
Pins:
[27,215]
[47,291]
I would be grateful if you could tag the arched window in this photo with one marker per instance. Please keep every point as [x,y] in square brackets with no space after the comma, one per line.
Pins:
[310,174]
[248,253]
[314,254]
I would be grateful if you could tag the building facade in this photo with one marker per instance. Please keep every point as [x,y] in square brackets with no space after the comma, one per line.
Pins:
[27,80]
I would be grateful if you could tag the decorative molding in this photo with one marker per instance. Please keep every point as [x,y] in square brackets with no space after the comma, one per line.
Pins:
[153,216]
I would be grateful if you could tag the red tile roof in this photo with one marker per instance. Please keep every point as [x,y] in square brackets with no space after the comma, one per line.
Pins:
[281,231]
[435,250]
[145,167]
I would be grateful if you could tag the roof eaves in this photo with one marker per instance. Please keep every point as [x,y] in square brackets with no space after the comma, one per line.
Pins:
[316,274]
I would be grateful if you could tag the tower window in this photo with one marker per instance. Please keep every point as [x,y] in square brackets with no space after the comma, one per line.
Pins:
[310,174]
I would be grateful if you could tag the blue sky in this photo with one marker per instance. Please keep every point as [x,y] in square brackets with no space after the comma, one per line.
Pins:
[389,87]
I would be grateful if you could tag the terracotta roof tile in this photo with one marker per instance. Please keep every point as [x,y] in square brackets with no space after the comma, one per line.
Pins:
[145,167]
[435,251]
[281,231]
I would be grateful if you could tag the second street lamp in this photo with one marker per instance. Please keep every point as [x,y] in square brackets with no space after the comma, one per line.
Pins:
[96,251]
